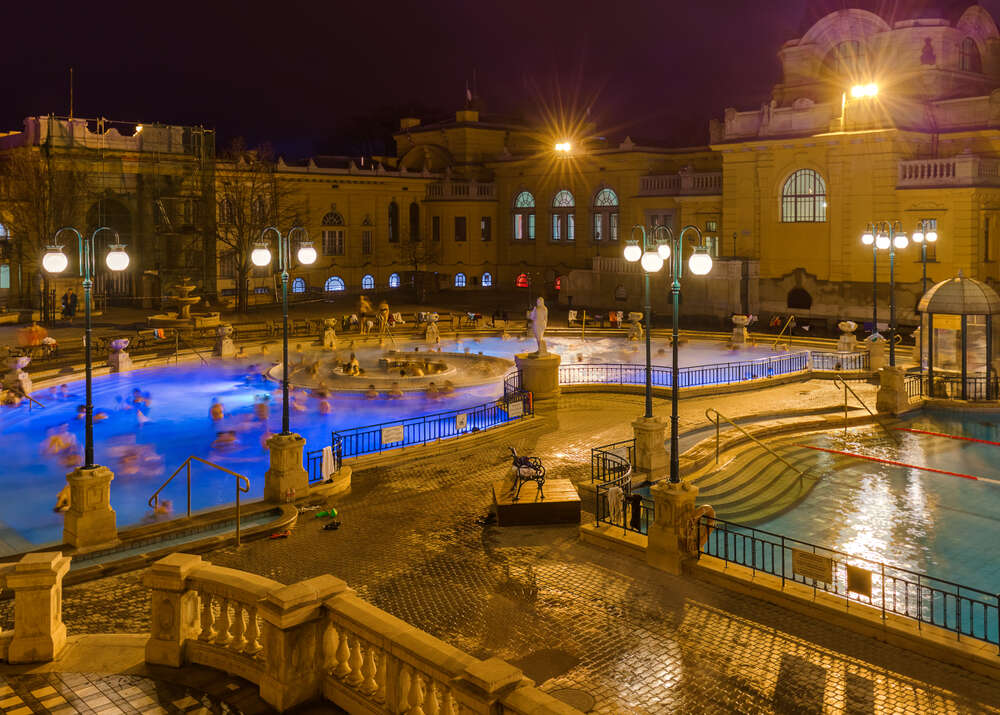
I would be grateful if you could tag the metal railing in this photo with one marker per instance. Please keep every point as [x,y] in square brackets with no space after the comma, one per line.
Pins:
[242,487]
[914,385]
[960,609]
[839,380]
[378,438]
[314,460]
[719,416]
[841,362]
[950,387]
[782,333]
[692,376]
[606,461]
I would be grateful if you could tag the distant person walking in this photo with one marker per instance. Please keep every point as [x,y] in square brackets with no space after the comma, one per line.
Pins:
[69,304]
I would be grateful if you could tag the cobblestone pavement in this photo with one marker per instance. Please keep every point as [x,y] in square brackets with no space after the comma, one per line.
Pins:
[569,614]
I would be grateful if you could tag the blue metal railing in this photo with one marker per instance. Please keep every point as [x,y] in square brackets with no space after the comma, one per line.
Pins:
[314,461]
[841,362]
[960,609]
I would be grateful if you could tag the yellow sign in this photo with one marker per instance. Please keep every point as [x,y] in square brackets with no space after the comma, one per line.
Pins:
[859,581]
[814,566]
[943,321]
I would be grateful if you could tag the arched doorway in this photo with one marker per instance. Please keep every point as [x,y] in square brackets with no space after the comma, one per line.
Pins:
[114,285]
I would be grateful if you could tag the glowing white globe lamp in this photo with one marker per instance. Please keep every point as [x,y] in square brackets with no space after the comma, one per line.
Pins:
[54,260]
[307,254]
[867,238]
[882,241]
[664,250]
[117,259]
[632,252]
[700,262]
[261,255]
[651,262]
[900,240]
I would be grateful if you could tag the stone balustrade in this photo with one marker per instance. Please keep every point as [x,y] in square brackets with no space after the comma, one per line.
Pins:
[684,183]
[961,170]
[462,191]
[317,639]
[39,632]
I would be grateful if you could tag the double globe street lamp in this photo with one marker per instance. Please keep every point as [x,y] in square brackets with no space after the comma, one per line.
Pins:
[260,257]
[661,246]
[881,236]
[55,261]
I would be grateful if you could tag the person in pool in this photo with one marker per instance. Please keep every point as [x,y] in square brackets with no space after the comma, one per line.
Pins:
[216,411]
[394,392]
[371,393]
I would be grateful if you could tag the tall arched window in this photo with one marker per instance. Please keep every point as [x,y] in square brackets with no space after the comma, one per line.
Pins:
[522,281]
[227,214]
[803,198]
[606,215]
[487,281]
[394,280]
[368,282]
[258,210]
[393,222]
[849,60]
[334,284]
[299,285]
[523,218]
[970,60]
[333,234]
[460,280]
[563,219]
[414,221]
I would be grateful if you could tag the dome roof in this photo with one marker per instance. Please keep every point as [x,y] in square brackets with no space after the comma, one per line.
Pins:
[960,296]
[892,11]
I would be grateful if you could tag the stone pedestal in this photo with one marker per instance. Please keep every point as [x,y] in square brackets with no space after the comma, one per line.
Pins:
[330,335]
[539,374]
[891,396]
[174,608]
[650,453]
[39,632]
[286,470]
[847,342]
[739,329]
[119,361]
[224,345]
[90,520]
[668,547]
[877,353]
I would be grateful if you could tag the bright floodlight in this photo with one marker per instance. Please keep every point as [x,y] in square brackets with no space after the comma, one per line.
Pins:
[54,260]
[307,254]
[261,255]
[664,250]
[900,240]
[632,252]
[918,236]
[117,259]
[860,91]
[931,236]
[700,262]
[564,147]
[651,262]
[882,242]
[867,238]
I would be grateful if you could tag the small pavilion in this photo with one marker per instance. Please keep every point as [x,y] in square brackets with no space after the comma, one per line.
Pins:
[958,340]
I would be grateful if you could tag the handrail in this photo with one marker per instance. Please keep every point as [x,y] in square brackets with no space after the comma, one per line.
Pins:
[840,378]
[32,399]
[242,487]
[177,351]
[751,437]
[781,332]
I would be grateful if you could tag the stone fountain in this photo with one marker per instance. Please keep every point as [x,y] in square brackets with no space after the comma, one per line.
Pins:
[183,317]
[16,378]
[847,341]
[118,359]
[740,335]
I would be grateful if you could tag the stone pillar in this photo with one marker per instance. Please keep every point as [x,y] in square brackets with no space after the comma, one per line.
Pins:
[174,608]
[739,329]
[90,520]
[119,361]
[224,345]
[294,622]
[668,545]
[39,632]
[650,452]
[539,374]
[286,470]
[486,682]
[891,396]
[876,353]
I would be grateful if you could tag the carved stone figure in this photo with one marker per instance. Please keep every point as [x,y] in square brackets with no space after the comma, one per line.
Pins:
[118,359]
[635,326]
[847,341]
[224,346]
[539,317]
[432,335]
[330,334]
[740,329]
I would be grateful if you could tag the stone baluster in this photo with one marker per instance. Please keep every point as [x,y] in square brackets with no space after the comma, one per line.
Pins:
[253,646]
[343,668]
[207,634]
[174,614]
[39,632]
[368,685]
[356,677]
[222,622]
[416,695]
[236,630]
[431,698]
[382,665]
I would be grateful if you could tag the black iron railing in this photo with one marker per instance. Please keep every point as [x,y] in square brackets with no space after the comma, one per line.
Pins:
[314,461]
[841,362]
[615,503]
[609,462]
[914,385]
[693,376]
[950,387]
[963,610]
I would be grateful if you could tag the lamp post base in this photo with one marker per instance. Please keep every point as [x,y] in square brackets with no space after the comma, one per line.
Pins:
[286,471]
[669,545]
[650,452]
[90,520]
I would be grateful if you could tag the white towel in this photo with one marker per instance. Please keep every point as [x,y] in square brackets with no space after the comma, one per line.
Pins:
[326,468]
[572,316]
[616,500]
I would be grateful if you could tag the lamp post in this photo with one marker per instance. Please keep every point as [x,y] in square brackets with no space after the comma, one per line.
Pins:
[885,235]
[925,233]
[261,256]
[700,264]
[55,261]
[651,257]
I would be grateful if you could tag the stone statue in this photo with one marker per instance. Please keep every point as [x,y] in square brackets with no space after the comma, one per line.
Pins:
[16,378]
[539,317]
[224,346]
[740,329]
[330,334]
[118,359]
[432,335]
[847,342]
[635,326]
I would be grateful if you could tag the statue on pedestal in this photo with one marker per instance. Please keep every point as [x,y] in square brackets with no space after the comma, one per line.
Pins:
[432,335]
[330,334]
[224,346]
[635,326]
[539,317]
[118,359]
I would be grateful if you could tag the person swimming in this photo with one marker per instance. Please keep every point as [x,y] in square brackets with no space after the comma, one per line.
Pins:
[371,393]
[394,392]
[216,411]
[324,407]
[432,391]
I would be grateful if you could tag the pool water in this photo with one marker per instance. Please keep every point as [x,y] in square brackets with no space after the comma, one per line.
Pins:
[936,524]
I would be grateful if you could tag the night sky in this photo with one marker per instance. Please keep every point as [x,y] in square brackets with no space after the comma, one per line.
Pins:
[333,76]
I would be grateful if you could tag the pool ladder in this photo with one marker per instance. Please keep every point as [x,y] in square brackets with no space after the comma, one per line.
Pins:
[242,487]
[847,388]
[719,416]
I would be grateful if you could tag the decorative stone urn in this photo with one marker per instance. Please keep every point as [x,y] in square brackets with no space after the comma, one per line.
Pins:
[740,335]
[118,359]
[224,346]
[635,326]
[16,378]
[847,341]
[876,349]
[330,334]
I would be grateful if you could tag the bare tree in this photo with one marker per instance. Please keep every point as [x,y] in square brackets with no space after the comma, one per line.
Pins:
[419,254]
[250,198]
[38,195]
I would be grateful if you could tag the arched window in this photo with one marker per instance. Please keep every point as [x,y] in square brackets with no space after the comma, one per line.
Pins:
[798,299]
[414,221]
[563,217]
[558,283]
[849,60]
[394,280]
[299,285]
[333,238]
[522,281]
[227,214]
[970,60]
[487,280]
[368,282]
[460,280]
[523,219]
[334,284]
[803,198]
[333,218]
[393,222]
[258,210]
[606,215]
[4,233]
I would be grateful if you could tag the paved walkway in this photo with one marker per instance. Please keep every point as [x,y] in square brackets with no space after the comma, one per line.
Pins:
[569,614]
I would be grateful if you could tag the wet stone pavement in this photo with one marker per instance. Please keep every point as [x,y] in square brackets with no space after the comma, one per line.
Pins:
[569,614]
